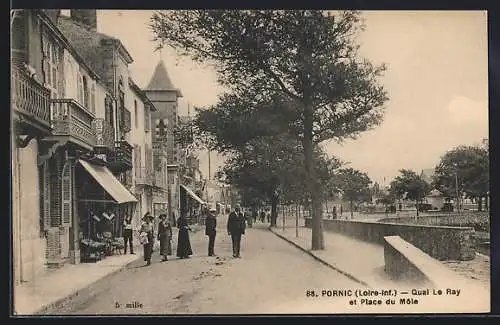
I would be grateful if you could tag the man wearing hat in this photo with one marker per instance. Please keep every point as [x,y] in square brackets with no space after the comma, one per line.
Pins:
[236,224]
[210,225]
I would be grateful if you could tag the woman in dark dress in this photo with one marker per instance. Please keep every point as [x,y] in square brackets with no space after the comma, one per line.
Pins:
[183,243]
[165,237]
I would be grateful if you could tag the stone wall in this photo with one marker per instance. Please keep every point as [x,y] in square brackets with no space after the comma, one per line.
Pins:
[440,242]
[479,221]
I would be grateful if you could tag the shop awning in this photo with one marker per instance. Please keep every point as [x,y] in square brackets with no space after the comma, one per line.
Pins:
[192,194]
[109,182]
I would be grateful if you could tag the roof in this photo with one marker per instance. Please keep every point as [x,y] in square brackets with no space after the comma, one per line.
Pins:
[68,44]
[435,193]
[89,43]
[160,81]
[142,95]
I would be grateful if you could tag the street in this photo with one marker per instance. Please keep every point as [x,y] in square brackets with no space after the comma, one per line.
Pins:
[271,277]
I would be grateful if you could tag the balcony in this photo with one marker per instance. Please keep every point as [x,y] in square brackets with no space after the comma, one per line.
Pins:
[30,104]
[144,176]
[72,122]
[105,138]
[120,159]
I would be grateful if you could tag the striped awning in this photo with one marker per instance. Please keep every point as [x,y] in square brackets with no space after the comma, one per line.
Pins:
[109,182]
[192,194]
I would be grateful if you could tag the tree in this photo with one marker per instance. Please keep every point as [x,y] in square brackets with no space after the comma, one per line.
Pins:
[464,169]
[307,59]
[387,199]
[411,185]
[355,186]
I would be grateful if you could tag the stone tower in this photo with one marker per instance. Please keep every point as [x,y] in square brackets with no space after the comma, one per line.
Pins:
[164,96]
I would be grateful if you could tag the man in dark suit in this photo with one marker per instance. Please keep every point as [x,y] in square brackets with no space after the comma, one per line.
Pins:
[210,226]
[236,224]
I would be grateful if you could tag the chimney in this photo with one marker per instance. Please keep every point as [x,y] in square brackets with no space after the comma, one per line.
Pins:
[53,14]
[86,17]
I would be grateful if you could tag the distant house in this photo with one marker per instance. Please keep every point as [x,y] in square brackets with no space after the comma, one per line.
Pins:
[436,199]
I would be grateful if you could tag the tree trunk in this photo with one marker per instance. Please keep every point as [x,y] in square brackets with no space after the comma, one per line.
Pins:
[416,205]
[480,204]
[486,203]
[317,242]
[274,210]
[352,212]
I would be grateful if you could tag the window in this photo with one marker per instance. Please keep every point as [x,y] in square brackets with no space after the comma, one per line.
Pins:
[79,88]
[147,120]
[50,63]
[85,92]
[92,98]
[136,114]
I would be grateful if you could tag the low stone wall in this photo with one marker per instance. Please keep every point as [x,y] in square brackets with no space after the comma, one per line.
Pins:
[440,242]
[403,261]
[479,221]
[398,265]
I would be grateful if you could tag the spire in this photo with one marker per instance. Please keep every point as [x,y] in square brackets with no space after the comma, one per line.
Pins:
[161,80]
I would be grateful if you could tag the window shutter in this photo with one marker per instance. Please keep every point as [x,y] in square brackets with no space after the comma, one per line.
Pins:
[66,195]
[46,195]
[80,88]
[92,98]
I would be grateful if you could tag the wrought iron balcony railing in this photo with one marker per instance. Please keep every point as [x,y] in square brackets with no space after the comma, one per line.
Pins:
[30,99]
[121,158]
[71,119]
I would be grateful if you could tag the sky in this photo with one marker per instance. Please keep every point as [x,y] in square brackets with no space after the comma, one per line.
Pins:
[437,81]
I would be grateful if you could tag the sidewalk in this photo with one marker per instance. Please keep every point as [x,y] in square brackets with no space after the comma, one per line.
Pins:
[55,287]
[361,261]
[58,286]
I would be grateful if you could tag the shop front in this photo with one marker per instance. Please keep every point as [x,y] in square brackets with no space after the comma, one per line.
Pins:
[103,204]
[191,205]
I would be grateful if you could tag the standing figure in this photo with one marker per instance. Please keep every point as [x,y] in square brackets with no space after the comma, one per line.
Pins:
[210,231]
[262,216]
[183,243]
[146,237]
[165,237]
[236,228]
[128,234]
[248,218]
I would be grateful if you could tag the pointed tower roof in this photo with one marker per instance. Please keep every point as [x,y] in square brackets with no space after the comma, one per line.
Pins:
[160,81]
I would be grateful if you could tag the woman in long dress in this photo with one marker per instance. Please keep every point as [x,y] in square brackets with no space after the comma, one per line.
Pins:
[165,237]
[147,237]
[183,243]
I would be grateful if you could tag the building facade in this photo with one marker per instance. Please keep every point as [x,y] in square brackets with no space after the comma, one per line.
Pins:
[72,140]
[141,139]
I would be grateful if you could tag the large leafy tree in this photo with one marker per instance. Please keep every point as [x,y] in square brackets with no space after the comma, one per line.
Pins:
[271,169]
[354,185]
[307,60]
[410,185]
[464,169]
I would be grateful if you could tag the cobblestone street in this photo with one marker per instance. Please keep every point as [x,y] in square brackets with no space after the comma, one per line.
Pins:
[271,277]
